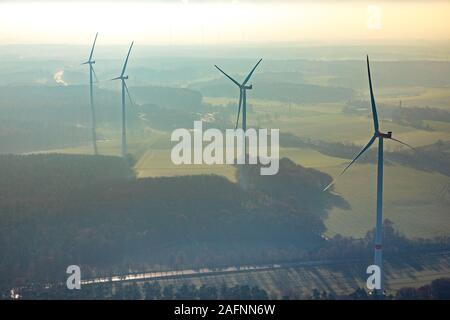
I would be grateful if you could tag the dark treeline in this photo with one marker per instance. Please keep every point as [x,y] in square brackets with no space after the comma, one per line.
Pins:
[297,187]
[412,116]
[397,245]
[415,116]
[334,149]
[138,291]
[432,157]
[17,136]
[438,289]
[280,91]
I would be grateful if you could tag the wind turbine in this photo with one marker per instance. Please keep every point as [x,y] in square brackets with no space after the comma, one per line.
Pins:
[380,136]
[124,77]
[243,87]
[90,62]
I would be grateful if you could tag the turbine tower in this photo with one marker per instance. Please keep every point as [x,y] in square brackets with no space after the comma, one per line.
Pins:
[243,87]
[125,91]
[90,62]
[381,137]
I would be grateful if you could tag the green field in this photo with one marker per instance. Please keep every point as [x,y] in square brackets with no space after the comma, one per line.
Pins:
[411,201]
[423,215]
[157,163]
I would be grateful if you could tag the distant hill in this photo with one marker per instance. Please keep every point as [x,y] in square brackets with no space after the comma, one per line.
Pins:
[44,117]
[167,97]
[353,74]
[280,91]
[60,104]
[71,103]
[20,136]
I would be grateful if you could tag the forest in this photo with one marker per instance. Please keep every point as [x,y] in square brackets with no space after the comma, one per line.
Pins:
[58,210]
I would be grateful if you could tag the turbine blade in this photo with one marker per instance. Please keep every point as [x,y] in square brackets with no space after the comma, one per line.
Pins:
[128,94]
[371,141]
[95,75]
[93,46]
[117,78]
[84,63]
[404,143]
[229,77]
[126,60]
[372,99]
[251,72]
[239,109]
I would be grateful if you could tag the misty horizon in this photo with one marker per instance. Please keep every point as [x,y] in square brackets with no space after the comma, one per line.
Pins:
[205,23]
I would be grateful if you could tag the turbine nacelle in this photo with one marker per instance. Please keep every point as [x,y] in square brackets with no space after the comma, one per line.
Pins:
[89,62]
[242,94]
[120,78]
[384,135]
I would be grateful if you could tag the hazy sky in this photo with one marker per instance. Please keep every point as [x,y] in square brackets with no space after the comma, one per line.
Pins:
[220,22]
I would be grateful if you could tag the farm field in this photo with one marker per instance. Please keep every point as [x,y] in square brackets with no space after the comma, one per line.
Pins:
[423,215]
[157,163]
[426,215]
[327,122]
